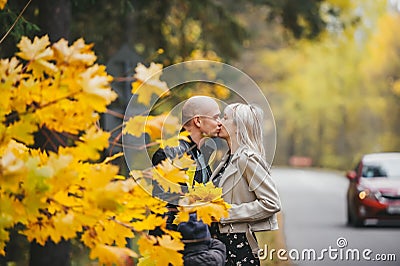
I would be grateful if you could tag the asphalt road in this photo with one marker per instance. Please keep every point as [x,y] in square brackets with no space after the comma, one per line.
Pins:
[314,220]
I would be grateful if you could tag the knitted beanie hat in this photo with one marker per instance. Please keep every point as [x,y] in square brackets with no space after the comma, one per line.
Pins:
[194,231]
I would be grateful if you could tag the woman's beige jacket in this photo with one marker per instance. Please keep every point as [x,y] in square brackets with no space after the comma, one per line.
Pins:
[248,187]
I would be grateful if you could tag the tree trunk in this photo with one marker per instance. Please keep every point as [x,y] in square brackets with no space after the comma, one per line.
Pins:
[55,18]
[50,254]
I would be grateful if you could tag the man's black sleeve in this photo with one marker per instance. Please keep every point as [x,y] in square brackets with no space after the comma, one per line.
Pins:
[158,156]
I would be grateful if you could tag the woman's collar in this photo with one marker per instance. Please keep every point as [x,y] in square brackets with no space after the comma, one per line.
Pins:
[238,152]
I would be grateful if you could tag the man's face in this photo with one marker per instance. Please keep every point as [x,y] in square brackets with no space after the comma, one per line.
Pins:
[209,122]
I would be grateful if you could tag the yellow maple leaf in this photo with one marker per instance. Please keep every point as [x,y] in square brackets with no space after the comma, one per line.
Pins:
[146,90]
[62,225]
[135,126]
[174,141]
[187,164]
[184,162]
[76,114]
[170,243]
[10,73]
[66,226]
[206,200]
[109,255]
[162,124]
[211,212]
[169,177]
[77,53]
[28,91]
[64,174]
[148,82]
[100,233]
[149,223]
[23,130]
[152,125]
[13,168]
[95,177]
[174,234]
[120,232]
[146,244]
[36,231]
[165,256]
[153,72]
[64,198]
[89,237]
[146,202]
[162,252]
[96,83]
[203,193]
[91,143]
[38,54]
[105,199]
[144,180]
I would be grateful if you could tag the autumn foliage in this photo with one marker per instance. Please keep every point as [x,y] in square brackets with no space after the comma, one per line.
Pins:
[70,192]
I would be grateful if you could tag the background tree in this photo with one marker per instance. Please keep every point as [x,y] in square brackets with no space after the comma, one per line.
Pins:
[179,27]
[329,101]
[382,74]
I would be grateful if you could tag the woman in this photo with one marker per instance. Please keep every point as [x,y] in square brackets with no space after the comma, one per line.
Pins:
[246,185]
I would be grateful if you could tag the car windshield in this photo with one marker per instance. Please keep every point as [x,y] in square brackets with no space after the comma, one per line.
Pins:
[388,168]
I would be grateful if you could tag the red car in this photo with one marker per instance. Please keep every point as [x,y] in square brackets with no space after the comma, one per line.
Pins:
[374,190]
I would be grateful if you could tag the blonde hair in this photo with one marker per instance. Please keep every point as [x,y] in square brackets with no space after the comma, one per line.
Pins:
[248,119]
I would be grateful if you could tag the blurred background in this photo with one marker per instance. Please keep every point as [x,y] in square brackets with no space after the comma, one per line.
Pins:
[330,69]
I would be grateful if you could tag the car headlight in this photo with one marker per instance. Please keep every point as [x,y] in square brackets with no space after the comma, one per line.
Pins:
[366,193]
[363,194]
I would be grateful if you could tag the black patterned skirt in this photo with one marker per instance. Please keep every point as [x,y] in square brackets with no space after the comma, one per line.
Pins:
[238,250]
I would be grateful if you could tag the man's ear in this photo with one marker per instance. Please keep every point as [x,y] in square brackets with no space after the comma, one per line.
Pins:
[196,121]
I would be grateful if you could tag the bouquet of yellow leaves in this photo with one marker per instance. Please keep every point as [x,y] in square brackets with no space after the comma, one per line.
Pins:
[204,199]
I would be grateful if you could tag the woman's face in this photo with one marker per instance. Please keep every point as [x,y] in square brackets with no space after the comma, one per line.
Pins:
[228,129]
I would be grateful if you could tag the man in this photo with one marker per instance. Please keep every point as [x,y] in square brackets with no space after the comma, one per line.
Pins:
[200,117]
